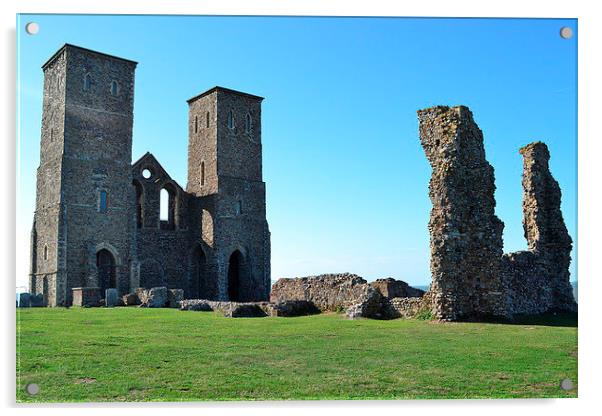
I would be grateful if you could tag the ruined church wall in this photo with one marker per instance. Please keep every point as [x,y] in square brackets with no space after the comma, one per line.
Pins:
[466,235]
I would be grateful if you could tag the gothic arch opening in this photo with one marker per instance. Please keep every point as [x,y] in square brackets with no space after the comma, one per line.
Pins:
[236,269]
[167,207]
[107,276]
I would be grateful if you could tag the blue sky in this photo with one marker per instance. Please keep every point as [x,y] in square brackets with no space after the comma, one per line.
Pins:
[347,180]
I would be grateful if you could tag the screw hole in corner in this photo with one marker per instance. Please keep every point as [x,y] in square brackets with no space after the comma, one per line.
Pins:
[566,32]
[32,28]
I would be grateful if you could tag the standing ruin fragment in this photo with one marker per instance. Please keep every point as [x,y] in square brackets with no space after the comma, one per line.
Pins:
[471,277]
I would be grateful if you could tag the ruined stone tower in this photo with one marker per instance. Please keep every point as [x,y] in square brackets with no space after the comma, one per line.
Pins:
[471,277]
[466,235]
[102,222]
[225,171]
[82,228]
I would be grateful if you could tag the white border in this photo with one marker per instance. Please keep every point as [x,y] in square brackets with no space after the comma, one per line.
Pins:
[590,204]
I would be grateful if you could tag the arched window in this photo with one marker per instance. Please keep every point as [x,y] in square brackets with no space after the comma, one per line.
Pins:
[167,208]
[248,123]
[103,201]
[231,119]
[87,82]
[196,124]
[114,88]
[207,117]
[45,252]
[202,173]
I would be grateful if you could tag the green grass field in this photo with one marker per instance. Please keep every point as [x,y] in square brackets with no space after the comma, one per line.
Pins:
[139,354]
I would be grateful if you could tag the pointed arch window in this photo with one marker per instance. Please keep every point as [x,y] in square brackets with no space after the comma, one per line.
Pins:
[248,123]
[87,82]
[231,119]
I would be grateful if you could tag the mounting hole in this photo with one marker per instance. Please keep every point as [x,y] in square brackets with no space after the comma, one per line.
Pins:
[146,173]
[32,388]
[566,32]
[32,28]
[566,384]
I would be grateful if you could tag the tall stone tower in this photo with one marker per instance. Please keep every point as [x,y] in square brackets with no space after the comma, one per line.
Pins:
[83,223]
[225,172]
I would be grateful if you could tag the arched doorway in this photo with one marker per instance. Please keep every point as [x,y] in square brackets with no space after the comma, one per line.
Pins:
[199,281]
[105,263]
[235,273]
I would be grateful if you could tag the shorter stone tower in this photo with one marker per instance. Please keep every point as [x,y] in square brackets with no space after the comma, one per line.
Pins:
[225,173]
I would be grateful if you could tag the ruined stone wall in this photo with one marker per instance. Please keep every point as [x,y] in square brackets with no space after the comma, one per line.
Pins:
[392,288]
[466,235]
[539,279]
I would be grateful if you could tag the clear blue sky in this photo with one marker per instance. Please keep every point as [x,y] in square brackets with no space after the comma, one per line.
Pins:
[347,180]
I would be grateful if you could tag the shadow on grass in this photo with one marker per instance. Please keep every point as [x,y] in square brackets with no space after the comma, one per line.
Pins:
[559,319]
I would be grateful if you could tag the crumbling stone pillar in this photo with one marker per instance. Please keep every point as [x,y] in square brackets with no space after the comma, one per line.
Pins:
[466,236]
[539,278]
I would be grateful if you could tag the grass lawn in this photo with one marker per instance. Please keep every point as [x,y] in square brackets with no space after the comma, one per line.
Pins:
[139,354]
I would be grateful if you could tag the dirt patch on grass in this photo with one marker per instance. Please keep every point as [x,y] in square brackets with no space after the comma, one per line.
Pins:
[85,380]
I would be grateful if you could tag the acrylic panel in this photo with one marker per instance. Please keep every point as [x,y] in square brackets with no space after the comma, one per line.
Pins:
[294,208]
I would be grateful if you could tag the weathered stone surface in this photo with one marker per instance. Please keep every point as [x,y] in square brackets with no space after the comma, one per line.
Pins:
[329,292]
[228,309]
[36,301]
[371,304]
[86,296]
[174,297]
[539,279]
[466,235]
[410,307]
[391,288]
[131,299]
[155,297]
[111,297]
[291,308]
[24,300]
[215,241]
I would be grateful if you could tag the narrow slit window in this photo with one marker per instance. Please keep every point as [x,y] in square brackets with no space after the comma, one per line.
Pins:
[87,82]
[231,119]
[203,173]
[114,88]
[207,117]
[196,124]
[45,252]
[103,201]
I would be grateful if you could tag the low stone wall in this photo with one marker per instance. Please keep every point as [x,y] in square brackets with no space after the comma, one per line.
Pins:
[329,292]
[410,307]
[250,309]
[391,288]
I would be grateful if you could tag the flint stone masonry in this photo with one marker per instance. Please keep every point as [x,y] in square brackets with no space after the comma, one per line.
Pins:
[86,296]
[470,275]
[155,297]
[97,221]
[174,297]
[111,297]
[24,300]
[391,288]
[466,235]
[410,307]
[539,278]
[251,309]
[36,301]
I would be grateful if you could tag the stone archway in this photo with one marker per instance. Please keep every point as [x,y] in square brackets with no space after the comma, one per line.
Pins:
[107,273]
[236,276]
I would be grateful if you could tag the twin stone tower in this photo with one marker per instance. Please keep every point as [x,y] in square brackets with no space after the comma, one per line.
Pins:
[98,220]
[102,222]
